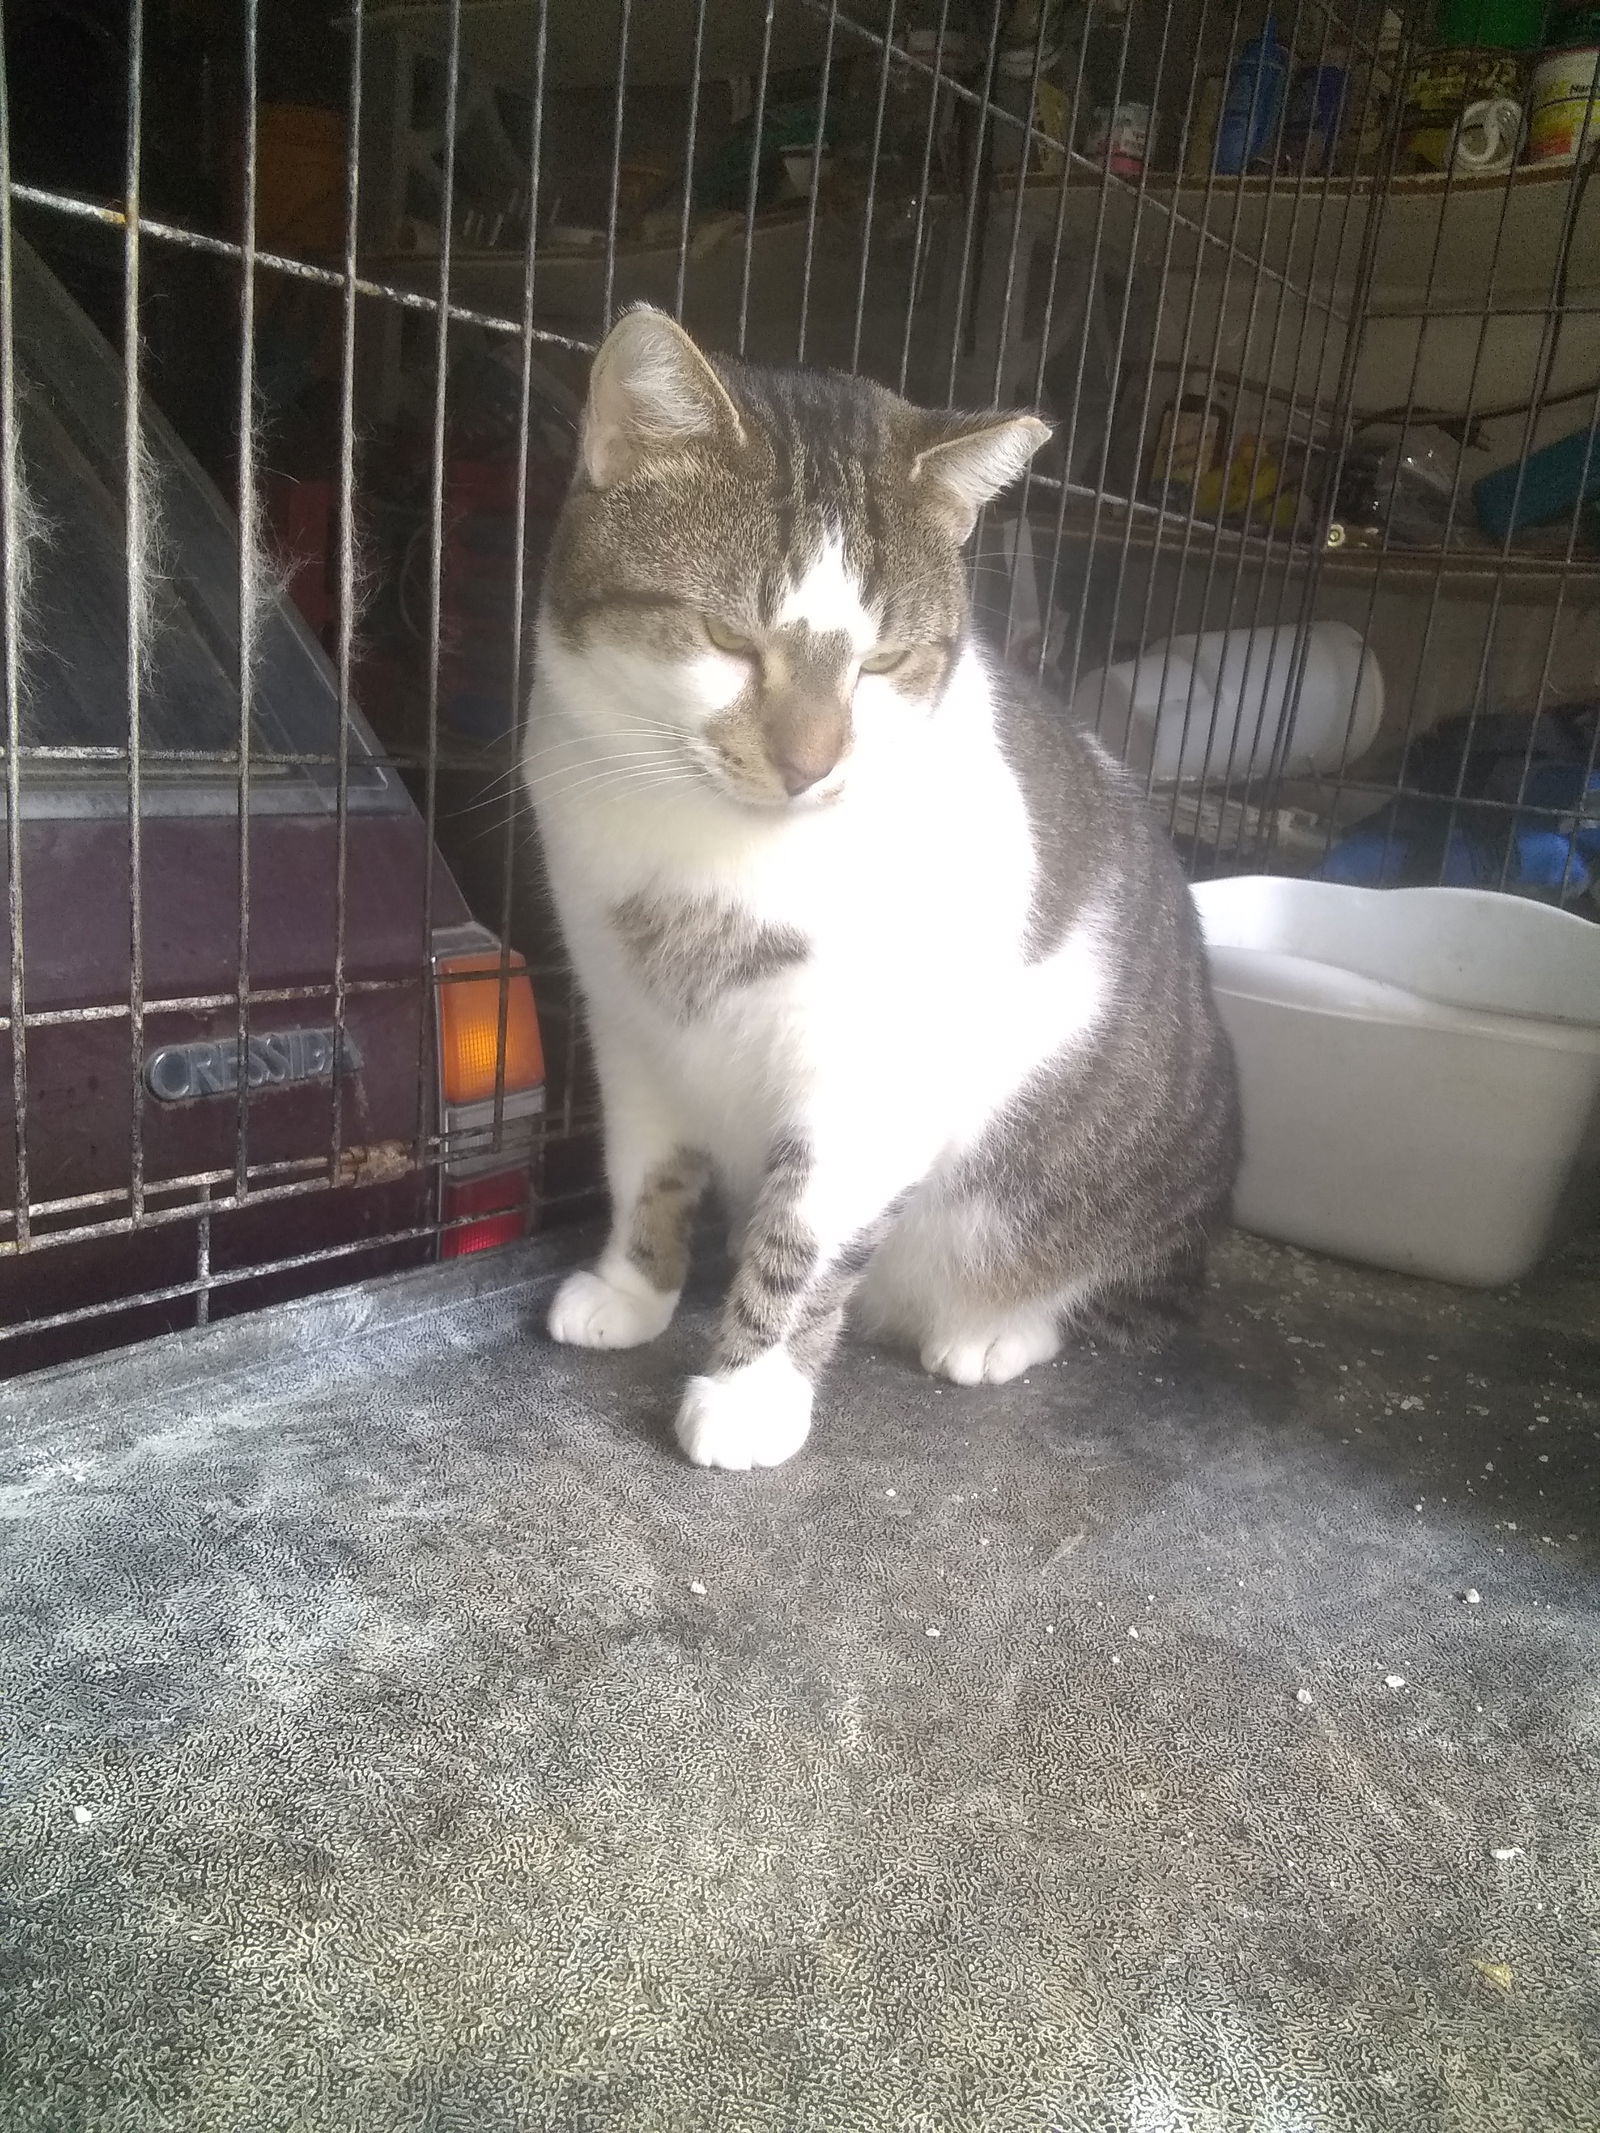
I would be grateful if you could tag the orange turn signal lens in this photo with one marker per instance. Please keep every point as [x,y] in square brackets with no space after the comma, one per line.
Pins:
[469,1028]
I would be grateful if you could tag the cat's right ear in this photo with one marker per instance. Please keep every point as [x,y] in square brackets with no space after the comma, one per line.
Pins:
[650,391]
[979,456]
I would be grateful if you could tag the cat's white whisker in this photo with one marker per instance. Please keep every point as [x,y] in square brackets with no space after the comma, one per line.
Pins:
[613,775]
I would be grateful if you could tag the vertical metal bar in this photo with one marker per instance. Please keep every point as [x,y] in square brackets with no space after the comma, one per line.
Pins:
[1351,362]
[1141,195]
[436,489]
[816,185]
[1019,205]
[1092,276]
[688,145]
[1549,342]
[1268,200]
[140,566]
[1311,577]
[1152,572]
[250,533]
[519,545]
[1047,598]
[15,533]
[1376,194]
[758,125]
[1349,357]
[202,1260]
[1335,410]
[885,53]
[1251,666]
[1442,559]
[1186,550]
[1536,708]
[919,227]
[624,24]
[977,196]
[1356,338]
[1141,192]
[1104,194]
[1296,197]
[1585,787]
[1003,331]
[345,661]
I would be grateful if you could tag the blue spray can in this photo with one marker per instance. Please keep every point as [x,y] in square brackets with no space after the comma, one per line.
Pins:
[1249,123]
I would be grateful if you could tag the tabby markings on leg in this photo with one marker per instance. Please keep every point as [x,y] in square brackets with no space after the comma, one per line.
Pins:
[658,1236]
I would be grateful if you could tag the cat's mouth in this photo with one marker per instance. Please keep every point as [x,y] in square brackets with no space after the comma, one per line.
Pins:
[759,789]
[779,802]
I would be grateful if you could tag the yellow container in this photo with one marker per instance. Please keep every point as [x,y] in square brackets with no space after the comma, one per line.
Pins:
[1564,106]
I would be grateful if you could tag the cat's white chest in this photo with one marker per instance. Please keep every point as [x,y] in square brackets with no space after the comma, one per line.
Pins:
[855,973]
[845,1003]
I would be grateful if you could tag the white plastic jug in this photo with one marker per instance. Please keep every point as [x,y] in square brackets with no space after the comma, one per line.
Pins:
[1212,705]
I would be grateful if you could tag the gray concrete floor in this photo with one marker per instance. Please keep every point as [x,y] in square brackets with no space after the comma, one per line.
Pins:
[399,1735]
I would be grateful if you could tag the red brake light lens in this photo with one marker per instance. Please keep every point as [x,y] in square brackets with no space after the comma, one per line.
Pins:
[479,1213]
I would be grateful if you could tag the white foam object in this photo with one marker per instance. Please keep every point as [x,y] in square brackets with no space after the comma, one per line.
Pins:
[1419,1070]
[1211,706]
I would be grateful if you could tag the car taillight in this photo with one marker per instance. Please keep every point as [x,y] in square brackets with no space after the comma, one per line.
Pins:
[491,1091]
[476,1214]
[470,1028]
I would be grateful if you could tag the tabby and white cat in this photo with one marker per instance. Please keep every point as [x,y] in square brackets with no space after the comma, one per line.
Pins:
[868,936]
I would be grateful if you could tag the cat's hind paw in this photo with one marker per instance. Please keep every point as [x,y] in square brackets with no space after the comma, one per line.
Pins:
[995,1356]
[757,1415]
[591,1312]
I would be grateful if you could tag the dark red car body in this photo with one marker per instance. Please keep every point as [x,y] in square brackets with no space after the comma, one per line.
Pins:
[148,1172]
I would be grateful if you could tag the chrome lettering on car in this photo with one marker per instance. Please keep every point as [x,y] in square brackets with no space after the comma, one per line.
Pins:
[185,1073]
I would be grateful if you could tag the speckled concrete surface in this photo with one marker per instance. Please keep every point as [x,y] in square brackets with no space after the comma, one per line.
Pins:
[398,1735]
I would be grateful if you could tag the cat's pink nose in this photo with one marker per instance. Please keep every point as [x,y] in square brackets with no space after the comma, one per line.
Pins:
[801,768]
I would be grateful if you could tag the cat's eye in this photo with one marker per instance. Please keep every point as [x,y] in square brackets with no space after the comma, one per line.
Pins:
[885,659]
[727,640]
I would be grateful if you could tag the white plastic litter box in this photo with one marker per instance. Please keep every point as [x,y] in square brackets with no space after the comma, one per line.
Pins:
[1419,1070]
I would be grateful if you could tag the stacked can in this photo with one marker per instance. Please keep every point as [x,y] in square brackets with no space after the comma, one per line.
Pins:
[1464,102]
[1464,111]
[1564,99]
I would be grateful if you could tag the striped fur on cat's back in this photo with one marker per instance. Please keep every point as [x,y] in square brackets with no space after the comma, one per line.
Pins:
[869,938]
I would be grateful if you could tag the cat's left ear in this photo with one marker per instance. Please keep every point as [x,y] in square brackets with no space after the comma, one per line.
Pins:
[963,471]
[651,392]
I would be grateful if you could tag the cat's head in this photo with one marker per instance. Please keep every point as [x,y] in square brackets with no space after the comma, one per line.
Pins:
[758,573]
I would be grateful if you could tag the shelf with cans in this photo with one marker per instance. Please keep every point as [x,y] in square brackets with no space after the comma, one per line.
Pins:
[1259,484]
[886,148]
[913,191]
[1201,463]
[1305,91]
[1346,522]
[1345,552]
[930,95]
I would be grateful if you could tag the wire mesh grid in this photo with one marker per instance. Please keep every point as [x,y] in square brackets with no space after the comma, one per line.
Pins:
[1314,545]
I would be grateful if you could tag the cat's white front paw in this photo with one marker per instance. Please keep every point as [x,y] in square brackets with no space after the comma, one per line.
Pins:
[994,1356]
[591,1312]
[759,1415]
